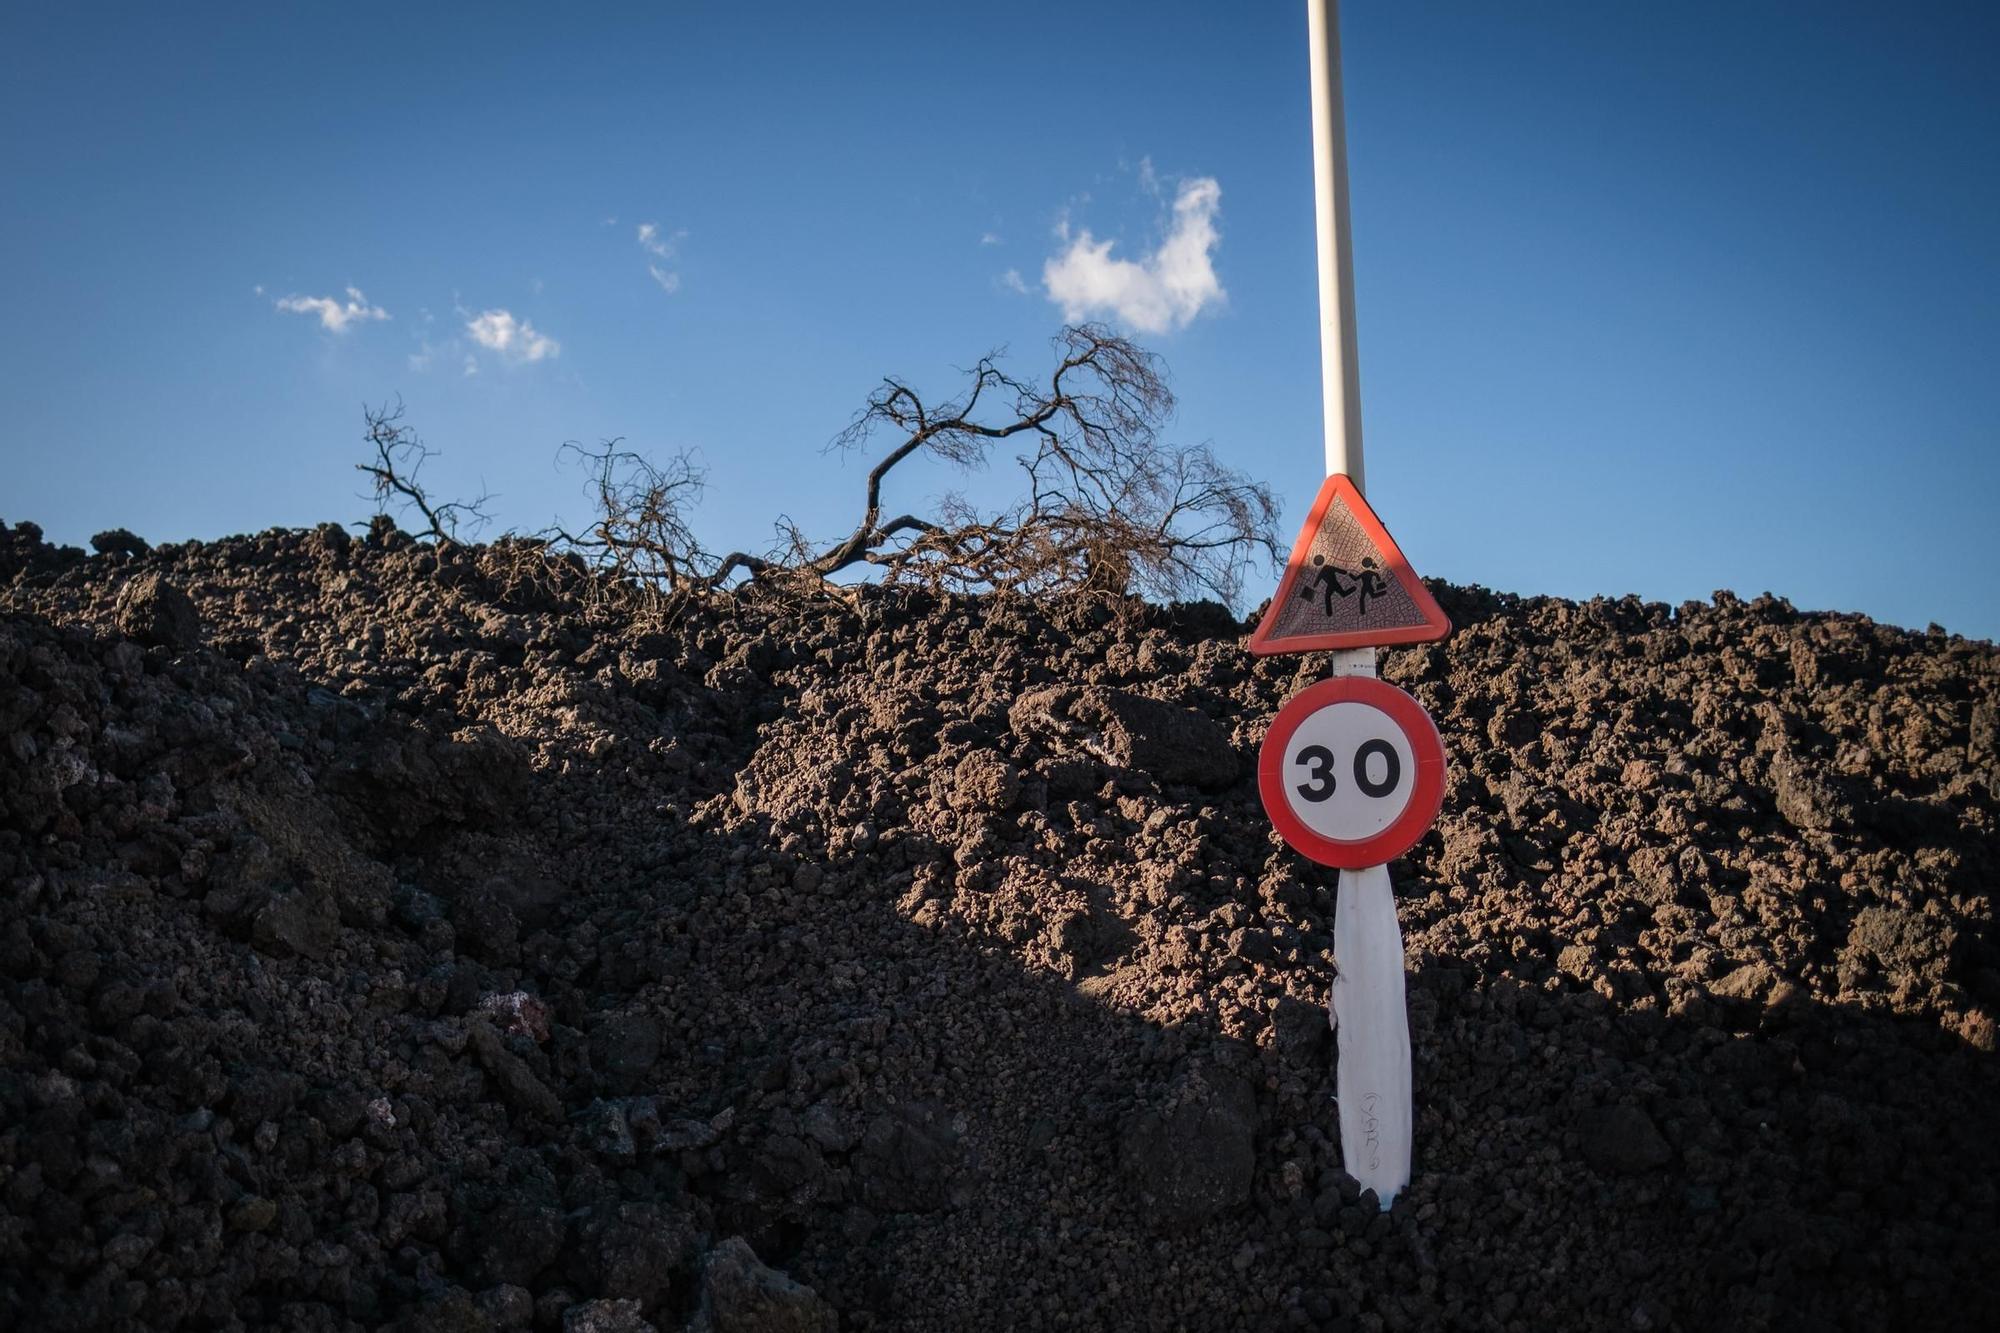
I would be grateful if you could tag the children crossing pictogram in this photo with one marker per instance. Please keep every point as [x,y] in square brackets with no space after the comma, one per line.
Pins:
[1327,584]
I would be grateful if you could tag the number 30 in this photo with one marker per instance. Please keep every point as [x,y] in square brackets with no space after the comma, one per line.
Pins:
[1319,760]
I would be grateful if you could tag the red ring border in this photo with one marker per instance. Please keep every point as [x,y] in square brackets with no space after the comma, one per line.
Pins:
[1425,746]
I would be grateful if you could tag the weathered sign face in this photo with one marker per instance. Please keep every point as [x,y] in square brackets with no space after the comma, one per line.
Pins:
[1351,772]
[1347,584]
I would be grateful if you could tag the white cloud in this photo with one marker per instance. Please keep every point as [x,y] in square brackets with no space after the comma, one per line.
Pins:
[514,339]
[1156,293]
[334,316]
[989,238]
[1011,280]
[661,247]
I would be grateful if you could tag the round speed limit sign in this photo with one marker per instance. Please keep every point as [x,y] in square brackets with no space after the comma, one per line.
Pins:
[1352,772]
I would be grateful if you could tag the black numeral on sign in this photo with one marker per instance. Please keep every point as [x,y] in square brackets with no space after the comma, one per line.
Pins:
[1319,760]
[1392,768]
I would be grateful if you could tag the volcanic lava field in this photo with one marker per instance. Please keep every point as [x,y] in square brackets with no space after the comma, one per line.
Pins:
[390,942]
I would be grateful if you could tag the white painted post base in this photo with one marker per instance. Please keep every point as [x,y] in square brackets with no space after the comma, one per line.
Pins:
[1372,1028]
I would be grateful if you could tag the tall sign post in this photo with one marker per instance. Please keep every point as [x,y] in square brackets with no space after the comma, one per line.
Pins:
[1339,365]
[1352,770]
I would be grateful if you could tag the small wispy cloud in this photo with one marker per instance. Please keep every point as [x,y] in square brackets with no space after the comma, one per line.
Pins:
[1149,179]
[514,339]
[1157,292]
[989,238]
[1011,280]
[661,248]
[335,315]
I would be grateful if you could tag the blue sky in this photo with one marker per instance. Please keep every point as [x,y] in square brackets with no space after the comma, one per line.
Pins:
[1652,298]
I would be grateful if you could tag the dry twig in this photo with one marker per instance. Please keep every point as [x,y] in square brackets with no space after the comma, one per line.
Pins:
[399,456]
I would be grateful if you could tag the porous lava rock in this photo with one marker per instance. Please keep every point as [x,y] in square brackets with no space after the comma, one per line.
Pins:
[1195,1156]
[155,612]
[1622,1139]
[1167,742]
[740,1295]
[119,542]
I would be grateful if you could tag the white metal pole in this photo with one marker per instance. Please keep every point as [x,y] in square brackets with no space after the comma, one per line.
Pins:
[1339,358]
[1366,1006]
[1339,352]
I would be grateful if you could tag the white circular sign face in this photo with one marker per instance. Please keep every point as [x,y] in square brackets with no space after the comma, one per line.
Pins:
[1349,771]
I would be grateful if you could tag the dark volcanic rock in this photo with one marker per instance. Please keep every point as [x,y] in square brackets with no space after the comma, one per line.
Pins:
[1808,799]
[625,1046]
[909,1160]
[1902,942]
[606,1316]
[459,945]
[740,1295]
[1165,741]
[298,922]
[635,1251]
[516,1081]
[984,781]
[154,611]
[119,541]
[1621,1139]
[487,926]
[504,1237]
[1194,1156]
[1302,1030]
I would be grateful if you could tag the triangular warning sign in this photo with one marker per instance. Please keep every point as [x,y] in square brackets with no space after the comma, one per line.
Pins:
[1347,584]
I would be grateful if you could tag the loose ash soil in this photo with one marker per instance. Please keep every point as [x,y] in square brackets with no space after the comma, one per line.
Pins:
[385,948]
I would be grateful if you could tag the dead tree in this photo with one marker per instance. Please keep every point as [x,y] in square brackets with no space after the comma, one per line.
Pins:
[641,533]
[1108,507]
[399,456]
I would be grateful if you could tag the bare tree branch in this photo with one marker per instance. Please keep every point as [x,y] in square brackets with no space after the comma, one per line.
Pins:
[1109,508]
[641,534]
[399,456]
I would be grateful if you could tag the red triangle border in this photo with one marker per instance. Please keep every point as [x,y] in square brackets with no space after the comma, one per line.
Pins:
[1436,624]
